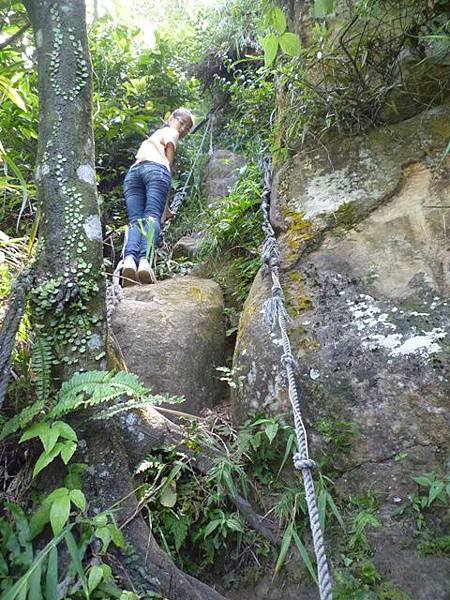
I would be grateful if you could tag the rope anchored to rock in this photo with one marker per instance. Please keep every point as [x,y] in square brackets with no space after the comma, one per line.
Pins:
[275,313]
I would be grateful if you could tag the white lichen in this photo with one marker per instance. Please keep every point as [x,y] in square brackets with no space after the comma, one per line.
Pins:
[39,38]
[379,333]
[86,173]
[93,228]
[95,341]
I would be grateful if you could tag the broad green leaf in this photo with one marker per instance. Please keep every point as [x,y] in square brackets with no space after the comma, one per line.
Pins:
[107,571]
[436,488]
[68,450]
[290,44]
[95,577]
[11,93]
[49,439]
[59,513]
[78,498]
[323,7]
[56,495]
[51,578]
[39,520]
[128,596]
[168,496]
[104,534]
[73,479]
[234,524]
[270,46]
[100,520]
[116,535]
[423,481]
[35,430]
[278,20]
[285,544]
[46,458]
[271,431]
[212,525]
[305,556]
[65,430]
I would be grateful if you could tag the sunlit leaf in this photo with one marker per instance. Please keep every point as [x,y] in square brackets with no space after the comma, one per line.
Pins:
[59,513]
[322,8]
[270,46]
[278,20]
[290,44]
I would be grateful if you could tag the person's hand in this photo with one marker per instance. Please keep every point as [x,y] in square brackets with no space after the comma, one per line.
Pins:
[170,215]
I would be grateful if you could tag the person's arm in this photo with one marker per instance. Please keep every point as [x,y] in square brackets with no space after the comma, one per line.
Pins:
[170,153]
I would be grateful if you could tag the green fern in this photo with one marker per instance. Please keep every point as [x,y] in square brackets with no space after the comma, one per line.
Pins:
[41,361]
[21,420]
[86,389]
[98,387]
[122,407]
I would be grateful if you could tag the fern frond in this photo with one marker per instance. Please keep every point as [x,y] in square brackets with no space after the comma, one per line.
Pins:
[22,419]
[96,387]
[41,361]
[117,409]
[130,382]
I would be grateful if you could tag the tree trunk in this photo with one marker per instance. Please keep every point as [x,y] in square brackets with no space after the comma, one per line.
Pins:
[68,300]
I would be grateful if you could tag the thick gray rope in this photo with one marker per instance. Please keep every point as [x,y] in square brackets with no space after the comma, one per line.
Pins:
[275,313]
[10,326]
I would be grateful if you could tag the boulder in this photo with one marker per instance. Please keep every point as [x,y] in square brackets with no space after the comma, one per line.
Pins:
[172,335]
[363,233]
[188,246]
[221,173]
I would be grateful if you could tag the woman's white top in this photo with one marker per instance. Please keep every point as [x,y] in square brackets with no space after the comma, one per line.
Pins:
[154,147]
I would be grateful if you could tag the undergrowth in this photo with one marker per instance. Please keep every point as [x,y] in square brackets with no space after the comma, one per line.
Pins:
[233,235]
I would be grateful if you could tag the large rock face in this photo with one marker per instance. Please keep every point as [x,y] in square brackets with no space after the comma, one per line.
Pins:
[172,335]
[221,173]
[363,232]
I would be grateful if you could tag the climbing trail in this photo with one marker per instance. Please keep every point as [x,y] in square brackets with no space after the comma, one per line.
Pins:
[275,313]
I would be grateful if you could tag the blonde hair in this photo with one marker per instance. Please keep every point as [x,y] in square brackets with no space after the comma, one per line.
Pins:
[183,112]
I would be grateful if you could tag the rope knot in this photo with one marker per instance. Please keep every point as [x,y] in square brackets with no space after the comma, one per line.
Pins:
[288,359]
[303,463]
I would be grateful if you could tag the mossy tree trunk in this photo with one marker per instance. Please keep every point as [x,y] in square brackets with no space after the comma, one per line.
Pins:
[68,301]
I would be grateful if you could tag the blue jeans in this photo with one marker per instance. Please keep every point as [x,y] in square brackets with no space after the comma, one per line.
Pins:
[146,187]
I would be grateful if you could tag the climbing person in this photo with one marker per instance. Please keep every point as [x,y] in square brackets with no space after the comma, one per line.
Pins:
[146,189]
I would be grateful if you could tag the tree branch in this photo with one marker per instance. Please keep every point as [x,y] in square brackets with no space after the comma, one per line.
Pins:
[14,37]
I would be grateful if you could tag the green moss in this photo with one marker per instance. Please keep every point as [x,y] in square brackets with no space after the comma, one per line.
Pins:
[299,234]
[197,294]
[346,215]
[389,591]
[296,298]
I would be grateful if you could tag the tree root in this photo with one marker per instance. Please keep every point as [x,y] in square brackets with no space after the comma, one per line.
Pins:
[146,429]
[110,485]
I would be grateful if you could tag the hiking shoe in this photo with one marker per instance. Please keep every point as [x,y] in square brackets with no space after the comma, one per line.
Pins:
[145,272]
[129,273]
